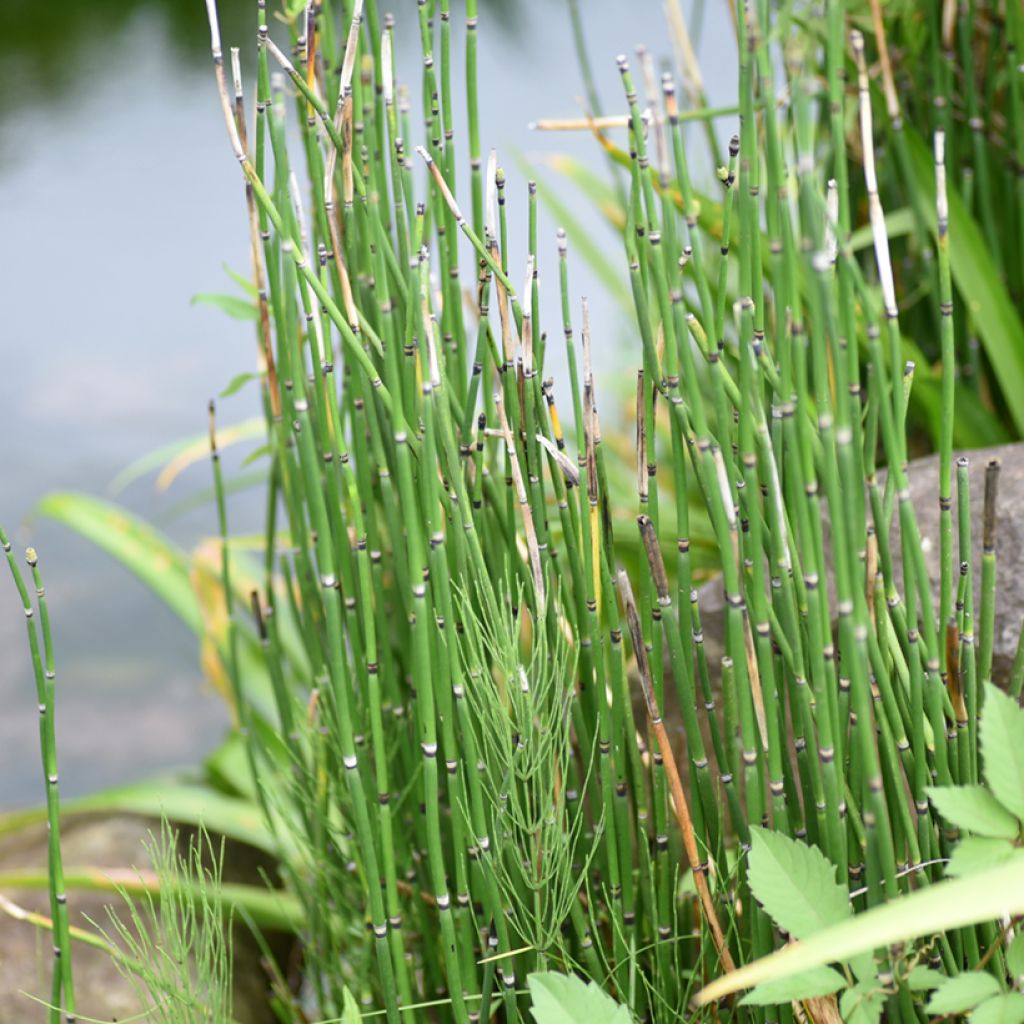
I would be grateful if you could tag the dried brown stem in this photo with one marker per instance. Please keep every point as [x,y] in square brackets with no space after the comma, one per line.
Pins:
[679,802]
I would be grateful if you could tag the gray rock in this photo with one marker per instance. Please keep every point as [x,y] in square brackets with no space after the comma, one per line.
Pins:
[101,991]
[923,479]
[25,956]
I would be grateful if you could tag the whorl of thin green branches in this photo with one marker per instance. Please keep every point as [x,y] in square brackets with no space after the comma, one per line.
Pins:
[178,942]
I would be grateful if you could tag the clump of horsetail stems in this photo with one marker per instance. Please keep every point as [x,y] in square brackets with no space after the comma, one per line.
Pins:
[937,84]
[62,992]
[462,784]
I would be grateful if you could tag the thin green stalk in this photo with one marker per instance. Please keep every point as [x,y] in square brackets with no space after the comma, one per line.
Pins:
[62,994]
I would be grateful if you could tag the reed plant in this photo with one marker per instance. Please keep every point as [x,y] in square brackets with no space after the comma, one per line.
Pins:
[452,683]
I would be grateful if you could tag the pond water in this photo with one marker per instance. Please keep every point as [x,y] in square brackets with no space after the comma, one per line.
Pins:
[119,201]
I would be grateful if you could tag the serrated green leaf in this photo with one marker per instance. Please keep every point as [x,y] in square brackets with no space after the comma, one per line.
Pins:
[819,981]
[863,966]
[952,903]
[795,883]
[1015,956]
[236,308]
[863,1003]
[962,993]
[566,999]
[921,979]
[976,853]
[237,383]
[974,809]
[1002,749]
[1007,1008]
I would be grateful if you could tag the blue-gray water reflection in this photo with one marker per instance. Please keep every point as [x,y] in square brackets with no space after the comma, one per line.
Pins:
[118,201]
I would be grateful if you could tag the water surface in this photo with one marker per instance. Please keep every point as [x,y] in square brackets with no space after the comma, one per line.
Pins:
[119,200]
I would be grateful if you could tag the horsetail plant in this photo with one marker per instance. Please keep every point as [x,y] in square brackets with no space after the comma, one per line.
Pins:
[178,944]
[476,694]
[62,992]
[455,574]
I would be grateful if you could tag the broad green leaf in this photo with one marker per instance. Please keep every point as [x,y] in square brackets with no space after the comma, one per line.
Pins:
[188,803]
[1007,1008]
[162,566]
[974,809]
[566,999]
[795,883]
[975,853]
[818,981]
[187,449]
[863,1003]
[977,281]
[962,993]
[922,978]
[215,639]
[236,308]
[266,907]
[1002,747]
[1015,956]
[237,383]
[948,904]
[190,586]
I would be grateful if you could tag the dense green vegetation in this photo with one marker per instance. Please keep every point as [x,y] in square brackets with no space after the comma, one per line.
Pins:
[449,662]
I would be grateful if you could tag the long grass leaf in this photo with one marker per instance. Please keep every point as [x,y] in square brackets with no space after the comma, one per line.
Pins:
[158,563]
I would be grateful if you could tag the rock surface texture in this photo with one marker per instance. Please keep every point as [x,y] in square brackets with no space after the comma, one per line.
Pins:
[25,951]
[101,991]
